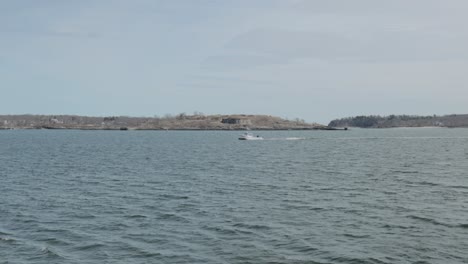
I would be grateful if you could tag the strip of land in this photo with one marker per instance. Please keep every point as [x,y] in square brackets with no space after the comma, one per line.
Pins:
[177,122]
[401,121]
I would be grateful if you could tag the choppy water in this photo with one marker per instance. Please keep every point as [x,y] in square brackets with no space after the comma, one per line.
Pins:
[361,196]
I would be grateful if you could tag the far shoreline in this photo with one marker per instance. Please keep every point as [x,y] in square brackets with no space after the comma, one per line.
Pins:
[188,129]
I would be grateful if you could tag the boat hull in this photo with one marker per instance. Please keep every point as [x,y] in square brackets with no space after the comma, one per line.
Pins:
[250,138]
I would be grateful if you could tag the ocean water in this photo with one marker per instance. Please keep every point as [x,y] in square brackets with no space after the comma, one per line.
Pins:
[358,196]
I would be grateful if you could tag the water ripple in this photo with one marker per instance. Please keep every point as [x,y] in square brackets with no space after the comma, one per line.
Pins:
[374,196]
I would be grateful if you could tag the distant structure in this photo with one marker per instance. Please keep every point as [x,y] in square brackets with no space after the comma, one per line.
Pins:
[236,121]
[56,121]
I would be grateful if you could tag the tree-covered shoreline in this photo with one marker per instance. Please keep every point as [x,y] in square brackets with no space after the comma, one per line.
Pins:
[376,121]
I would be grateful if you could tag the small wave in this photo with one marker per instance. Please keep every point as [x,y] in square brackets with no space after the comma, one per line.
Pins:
[435,222]
[46,250]
[53,230]
[416,183]
[90,246]
[306,249]
[84,216]
[304,207]
[145,254]
[252,226]
[405,171]
[47,253]
[396,226]
[115,226]
[220,230]
[174,197]
[136,216]
[138,252]
[348,260]
[8,239]
[173,217]
[355,236]
[458,186]
[428,220]
[54,241]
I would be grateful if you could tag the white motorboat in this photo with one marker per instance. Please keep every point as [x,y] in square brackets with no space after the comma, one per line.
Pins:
[249,136]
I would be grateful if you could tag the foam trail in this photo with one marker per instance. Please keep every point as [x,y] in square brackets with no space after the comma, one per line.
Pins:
[287,138]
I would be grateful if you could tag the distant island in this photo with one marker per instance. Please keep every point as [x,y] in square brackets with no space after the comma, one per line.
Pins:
[222,122]
[168,122]
[401,121]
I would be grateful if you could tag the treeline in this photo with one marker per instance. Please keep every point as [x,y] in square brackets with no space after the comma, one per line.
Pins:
[377,121]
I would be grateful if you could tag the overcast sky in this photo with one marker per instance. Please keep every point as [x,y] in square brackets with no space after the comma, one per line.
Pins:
[316,60]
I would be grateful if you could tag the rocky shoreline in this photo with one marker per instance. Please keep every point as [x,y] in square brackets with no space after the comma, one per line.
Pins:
[178,122]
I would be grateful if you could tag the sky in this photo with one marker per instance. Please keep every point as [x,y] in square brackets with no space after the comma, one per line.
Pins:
[309,59]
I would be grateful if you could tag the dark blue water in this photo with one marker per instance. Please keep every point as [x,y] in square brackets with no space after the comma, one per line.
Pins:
[361,196]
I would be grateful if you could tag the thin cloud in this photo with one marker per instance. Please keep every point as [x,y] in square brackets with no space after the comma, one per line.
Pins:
[392,45]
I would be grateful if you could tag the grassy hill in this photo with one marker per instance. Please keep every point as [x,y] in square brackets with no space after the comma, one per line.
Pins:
[178,122]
